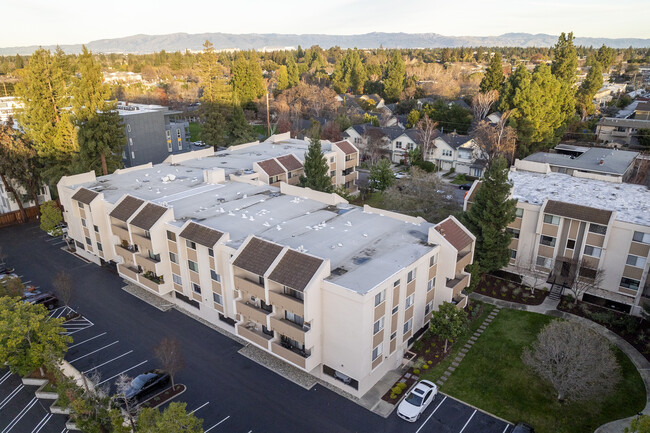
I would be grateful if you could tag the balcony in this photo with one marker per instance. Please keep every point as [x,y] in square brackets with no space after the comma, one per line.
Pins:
[146,262]
[250,312]
[351,163]
[142,242]
[290,329]
[153,285]
[120,232]
[259,338]
[250,287]
[351,177]
[458,284]
[460,301]
[463,259]
[128,271]
[125,252]
[286,302]
[292,355]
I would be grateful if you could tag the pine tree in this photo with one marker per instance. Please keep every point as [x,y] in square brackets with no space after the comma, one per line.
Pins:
[493,78]
[489,216]
[247,81]
[381,176]
[101,143]
[565,63]
[283,78]
[316,169]
[587,90]
[395,76]
[292,73]
[215,98]
[213,131]
[605,57]
[349,73]
[240,131]
[519,79]
[89,92]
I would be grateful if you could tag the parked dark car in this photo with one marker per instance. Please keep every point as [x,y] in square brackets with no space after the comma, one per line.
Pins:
[145,383]
[465,186]
[522,427]
[49,300]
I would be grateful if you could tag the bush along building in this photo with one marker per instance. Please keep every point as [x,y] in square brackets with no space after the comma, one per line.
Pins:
[333,289]
[586,230]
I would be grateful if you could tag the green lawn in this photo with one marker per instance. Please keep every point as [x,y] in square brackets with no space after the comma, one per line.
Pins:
[493,378]
[375,200]
[195,131]
[261,130]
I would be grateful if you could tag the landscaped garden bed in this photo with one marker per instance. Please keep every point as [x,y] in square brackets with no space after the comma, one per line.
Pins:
[634,330]
[164,396]
[430,354]
[494,378]
[509,289]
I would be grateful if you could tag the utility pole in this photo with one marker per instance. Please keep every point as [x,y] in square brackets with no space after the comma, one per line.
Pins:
[268,116]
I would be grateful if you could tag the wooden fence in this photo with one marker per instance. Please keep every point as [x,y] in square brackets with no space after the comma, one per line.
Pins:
[12,218]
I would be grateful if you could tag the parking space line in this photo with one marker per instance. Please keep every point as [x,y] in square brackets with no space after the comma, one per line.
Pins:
[218,424]
[113,377]
[20,415]
[91,338]
[504,430]
[42,423]
[429,417]
[80,329]
[5,377]
[61,312]
[203,405]
[470,418]
[94,351]
[11,395]
[103,364]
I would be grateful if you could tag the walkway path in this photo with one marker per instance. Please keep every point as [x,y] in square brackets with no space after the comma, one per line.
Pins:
[549,307]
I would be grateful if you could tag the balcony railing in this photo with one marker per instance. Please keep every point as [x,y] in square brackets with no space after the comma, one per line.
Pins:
[290,329]
[251,312]
[250,287]
[128,271]
[458,283]
[286,302]
[259,338]
[147,263]
[291,355]
[463,260]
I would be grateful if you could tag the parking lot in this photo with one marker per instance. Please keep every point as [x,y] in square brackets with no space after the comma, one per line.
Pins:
[117,333]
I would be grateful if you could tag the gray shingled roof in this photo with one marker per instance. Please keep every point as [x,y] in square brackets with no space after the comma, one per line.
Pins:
[84,195]
[295,270]
[613,161]
[578,212]
[624,123]
[455,140]
[147,217]
[202,235]
[257,256]
[126,208]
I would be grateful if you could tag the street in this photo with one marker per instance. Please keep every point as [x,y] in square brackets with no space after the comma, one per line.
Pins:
[118,332]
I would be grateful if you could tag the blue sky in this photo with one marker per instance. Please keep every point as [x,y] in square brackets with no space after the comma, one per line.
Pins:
[40,22]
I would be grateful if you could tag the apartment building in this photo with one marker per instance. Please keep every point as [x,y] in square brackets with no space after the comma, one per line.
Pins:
[8,201]
[616,132]
[570,227]
[336,290]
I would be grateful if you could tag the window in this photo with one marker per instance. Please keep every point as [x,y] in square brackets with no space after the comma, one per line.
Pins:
[398,145]
[544,262]
[411,276]
[191,245]
[380,297]
[298,320]
[193,266]
[393,335]
[547,240]
[289,175]
[592,251]
[519,212]
[171,236]
[431,284]
[196,288]
[331,159]
[218,299]
[428,308]
[408,325]
[88,241]
[395,308]
[629,283]
[294,293]
[332,173]
[378,326]
[644,238]
[274,179]
[513,254]
[376,352]
[409,301]
[177,279]
[96,228]
[169,134]
[410,146]
[153,256]
[396,283]
[170,147]
[348,157]
[513,232]
[147,234]
[83,222]
[597,228]
[210,252]
[433,260]
[99,246]
[173,257]
[216,277]
[551,219]
[571,244]
[636,261]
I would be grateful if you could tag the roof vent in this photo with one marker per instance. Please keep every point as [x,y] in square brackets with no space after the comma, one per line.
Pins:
[602,161]
[339,271]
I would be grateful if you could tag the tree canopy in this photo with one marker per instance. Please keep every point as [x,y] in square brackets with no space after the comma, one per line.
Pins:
[395,76]
[493,78]
[316,174]
[448,322]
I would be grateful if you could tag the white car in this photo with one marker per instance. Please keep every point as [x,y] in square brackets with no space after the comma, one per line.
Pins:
[417,401]
[400,175]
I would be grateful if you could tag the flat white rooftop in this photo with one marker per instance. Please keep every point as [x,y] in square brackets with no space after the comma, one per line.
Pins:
[631,202]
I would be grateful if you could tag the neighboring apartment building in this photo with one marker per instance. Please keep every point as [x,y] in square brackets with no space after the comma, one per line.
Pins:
[9,105]
[566,222]
[616,132]
[152,134]
[8,202]
[459,152]
[593,162]
[335,290]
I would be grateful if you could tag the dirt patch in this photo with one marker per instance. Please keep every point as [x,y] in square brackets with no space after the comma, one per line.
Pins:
[509,290]
[164,396]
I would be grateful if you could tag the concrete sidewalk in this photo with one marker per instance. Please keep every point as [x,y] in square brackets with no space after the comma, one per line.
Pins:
[549,307]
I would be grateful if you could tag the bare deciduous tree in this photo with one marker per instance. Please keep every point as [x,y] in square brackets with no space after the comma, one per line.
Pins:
[496,140]
[170,355]
[584,279]
[375,146]
[536,278]
[577,361]
[427,133]
[482,103]
[62,282]
[122,385]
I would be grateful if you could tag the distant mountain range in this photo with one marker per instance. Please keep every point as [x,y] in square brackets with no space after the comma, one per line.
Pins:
[142,44]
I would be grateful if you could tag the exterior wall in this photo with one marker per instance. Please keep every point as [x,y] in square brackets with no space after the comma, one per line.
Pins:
[8,202]
[146,137]
[398,153]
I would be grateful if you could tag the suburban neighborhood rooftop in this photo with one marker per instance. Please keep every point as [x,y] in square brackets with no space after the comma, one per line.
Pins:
[596,159]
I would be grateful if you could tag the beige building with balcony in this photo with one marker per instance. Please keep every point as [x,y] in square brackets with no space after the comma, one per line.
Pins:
[336,290]
[570,227]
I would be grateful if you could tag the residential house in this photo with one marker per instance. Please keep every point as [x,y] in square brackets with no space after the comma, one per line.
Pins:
[620,132]
[459,152]
[335,290]
[642,111]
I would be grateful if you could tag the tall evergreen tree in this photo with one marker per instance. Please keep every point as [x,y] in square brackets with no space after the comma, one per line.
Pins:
[395,76]
[215,97]
[605,57]
[283,78]
[489,216]
[519,79]
[493,78]
[89,92]
[316,169]
[247,81]
[240,131]
[350,73]
[565,63]
[587,90]
[101,143]
[292,72]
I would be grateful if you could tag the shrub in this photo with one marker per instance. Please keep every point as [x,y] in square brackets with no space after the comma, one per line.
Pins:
[429,362]
[396,390]
[416,371]
[425,366]
[418,362]
[393,396]
[427,351]
[417,346]
[401,385]
[517,291]
[433,344]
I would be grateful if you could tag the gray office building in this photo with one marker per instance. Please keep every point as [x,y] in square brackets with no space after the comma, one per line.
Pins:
[152,133]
